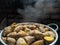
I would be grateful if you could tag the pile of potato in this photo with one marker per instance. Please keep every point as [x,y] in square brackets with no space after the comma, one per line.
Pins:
[27,34]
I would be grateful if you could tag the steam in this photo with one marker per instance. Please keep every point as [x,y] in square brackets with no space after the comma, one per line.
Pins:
[33,13]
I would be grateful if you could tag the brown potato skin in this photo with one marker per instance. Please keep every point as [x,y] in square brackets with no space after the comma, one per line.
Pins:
[21,34]
[29,39]
[11,41]
[39,42]
[12,34]
[6,31]
[4,39]
[21,41]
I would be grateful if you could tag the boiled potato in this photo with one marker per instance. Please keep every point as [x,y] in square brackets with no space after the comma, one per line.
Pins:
[42,29]
[48,38]
[18,28]
[29,39]
[6,31]
[12,34]
[39,42]
[21,41]
[32,27]
[13,26]
[36,33]
[27,30]
[21,33]
[50,33]
[4,39]
[11,41]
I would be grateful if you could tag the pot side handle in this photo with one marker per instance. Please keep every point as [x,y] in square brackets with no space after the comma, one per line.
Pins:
[54,26]
[0,36]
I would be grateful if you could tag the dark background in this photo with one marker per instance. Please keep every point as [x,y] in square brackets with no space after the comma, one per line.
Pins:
[8,13]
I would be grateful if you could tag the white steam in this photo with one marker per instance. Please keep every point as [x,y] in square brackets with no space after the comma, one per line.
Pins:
[33,13]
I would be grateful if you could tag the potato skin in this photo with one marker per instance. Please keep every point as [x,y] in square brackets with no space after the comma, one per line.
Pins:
[39,42]
[12,34]
[48,38]
[21,41]
[6,31]
[18,28]
[50,33]
[11,41]
[29,39]
[21,33]
[4,39]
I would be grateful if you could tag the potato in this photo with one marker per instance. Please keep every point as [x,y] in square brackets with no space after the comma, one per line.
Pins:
[27,30]
[29,39]
[18,28]
[48,38]
[21,41]
[39,42]
[32,27]
[12,34]
[6,31]
[50,33]
[4,39]
[11,41]
[33,32]
[21,33]
[42,29]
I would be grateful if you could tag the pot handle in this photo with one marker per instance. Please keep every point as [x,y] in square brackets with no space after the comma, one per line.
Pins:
[54,26]
[0,35]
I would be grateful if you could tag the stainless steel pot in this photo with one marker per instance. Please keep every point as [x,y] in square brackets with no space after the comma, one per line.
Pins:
[54,30]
